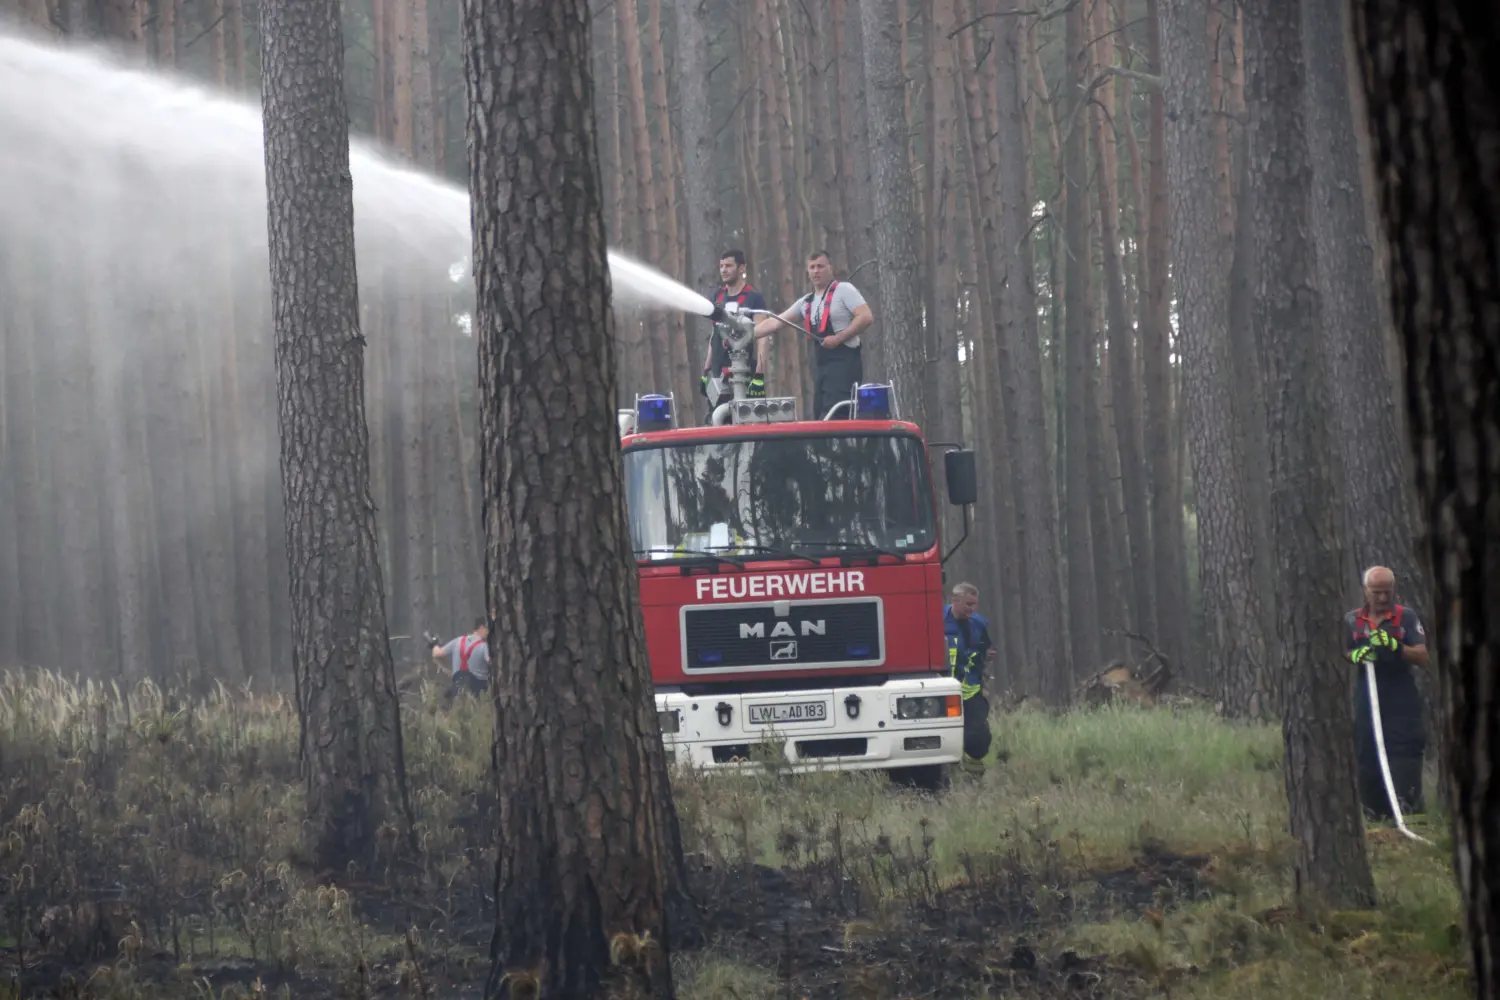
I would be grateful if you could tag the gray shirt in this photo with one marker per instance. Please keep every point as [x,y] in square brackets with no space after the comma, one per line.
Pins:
[840,306]
[479,655]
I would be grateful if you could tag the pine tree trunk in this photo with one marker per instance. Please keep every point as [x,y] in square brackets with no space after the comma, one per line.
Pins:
[1236,646]
[899,326]
[1123,396]
[346,688]
[1331,867]
[1083,605]
[1376,469]
[586,820]
[1167,535]
[1428,74]
[705,217]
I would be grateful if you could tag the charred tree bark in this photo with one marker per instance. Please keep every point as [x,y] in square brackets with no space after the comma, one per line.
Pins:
[1332,868]
[900,322]
[1236,647]
[1429,76]
[345,682]
[586,819]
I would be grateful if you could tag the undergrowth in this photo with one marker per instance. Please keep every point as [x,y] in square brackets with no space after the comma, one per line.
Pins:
[151,846]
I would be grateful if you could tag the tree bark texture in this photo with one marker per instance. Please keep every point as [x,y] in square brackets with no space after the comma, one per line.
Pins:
[895,224]
[704,217]
[1331,867]
[1021,383]
[345,681]
[1083,607]
[1432,86]
[1375,467]
[1236,647]
[587,832]
[1167,535]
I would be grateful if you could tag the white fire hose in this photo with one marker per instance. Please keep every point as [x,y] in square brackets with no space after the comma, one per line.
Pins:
[1385,764]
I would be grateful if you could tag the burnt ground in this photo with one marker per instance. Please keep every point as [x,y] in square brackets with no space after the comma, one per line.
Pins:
[878,926]
[825,937]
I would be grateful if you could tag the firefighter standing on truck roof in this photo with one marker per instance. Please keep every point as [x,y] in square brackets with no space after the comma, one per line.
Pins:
[1392,637]
[969,646]
[737,289]
[834,314]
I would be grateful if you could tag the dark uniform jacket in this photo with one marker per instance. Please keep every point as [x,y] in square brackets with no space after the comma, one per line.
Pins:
[1401,722]
[968,644]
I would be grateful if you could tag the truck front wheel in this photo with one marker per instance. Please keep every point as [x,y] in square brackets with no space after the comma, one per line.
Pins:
[926,777]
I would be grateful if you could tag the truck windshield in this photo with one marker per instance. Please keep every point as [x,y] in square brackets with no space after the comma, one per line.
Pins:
[780,496]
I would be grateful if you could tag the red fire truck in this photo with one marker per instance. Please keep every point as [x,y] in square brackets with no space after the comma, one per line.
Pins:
[792,587]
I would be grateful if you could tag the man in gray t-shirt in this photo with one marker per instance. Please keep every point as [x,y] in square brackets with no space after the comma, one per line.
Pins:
[834,314]
[470,659]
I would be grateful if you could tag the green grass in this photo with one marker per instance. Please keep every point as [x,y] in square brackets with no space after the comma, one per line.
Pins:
[189,812]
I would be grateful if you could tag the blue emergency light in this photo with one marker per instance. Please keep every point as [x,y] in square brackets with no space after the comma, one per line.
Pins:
[872,401]
[653,413]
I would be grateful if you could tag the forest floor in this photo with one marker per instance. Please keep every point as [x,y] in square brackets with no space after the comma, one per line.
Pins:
[149,848]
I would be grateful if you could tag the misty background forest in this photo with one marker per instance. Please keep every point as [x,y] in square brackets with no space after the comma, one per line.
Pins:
[147,482]
[1133,253]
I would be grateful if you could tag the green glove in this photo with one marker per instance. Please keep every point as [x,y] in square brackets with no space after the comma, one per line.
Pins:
[1382,639]
[757,387]
[703,385]
[1360,654]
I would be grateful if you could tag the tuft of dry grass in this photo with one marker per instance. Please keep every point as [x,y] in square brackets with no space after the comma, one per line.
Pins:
[151,845]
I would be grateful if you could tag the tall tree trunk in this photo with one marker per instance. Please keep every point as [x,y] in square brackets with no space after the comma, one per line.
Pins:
[1123,397]
[704,216]
[1428,73]
[900,322]
[586,819]
[1331,867]
[1156,328]
[1237,648]
[346,687]
[424,119]
[1083,605]
[941,193]
[1353,289]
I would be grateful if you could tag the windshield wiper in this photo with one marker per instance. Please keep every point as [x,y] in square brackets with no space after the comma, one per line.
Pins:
[873,549]
[778,553]
[689,552]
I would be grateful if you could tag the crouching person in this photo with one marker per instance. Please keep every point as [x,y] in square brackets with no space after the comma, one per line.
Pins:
[969,647]
[470,659]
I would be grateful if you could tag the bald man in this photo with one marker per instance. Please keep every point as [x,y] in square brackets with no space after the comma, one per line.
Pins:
[1390,636]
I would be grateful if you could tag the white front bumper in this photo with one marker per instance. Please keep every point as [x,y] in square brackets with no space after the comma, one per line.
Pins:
[869,738]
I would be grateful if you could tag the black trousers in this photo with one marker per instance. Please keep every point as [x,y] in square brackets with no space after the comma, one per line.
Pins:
[1406,776]
[466,683]
[977,736]
[839,368]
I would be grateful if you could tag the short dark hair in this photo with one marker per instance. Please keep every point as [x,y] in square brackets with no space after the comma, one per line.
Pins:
[819,253]
[480,623]
[737,254]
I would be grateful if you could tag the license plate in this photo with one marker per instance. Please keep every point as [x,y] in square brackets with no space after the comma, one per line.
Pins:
[804,711]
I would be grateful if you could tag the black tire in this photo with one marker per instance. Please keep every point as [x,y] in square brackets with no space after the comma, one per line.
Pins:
[924,777]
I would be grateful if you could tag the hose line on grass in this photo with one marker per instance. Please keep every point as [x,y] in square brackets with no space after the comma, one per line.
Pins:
[1385,764]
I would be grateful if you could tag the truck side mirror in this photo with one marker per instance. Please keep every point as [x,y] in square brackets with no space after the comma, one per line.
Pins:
[958,469]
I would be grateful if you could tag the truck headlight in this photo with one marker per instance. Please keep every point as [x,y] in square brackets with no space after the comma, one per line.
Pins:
[930,706]
[668,720]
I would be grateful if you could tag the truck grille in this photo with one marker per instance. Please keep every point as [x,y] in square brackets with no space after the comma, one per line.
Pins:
[805,635]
